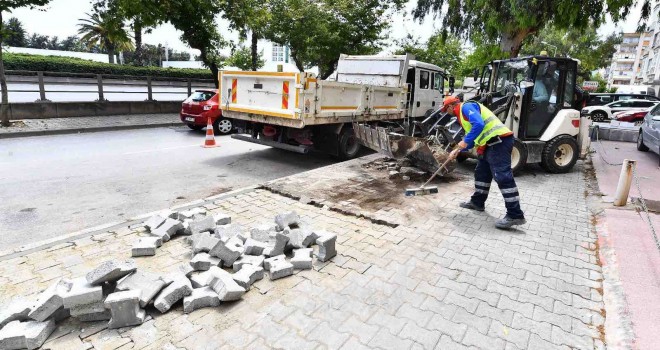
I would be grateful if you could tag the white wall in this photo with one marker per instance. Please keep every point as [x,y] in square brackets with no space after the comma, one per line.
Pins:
[98,57]
[183,64]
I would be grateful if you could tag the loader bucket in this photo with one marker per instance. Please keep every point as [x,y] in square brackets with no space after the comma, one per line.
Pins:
[423,153]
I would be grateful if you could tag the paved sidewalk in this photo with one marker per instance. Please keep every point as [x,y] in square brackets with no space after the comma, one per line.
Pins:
[420,273]
[36,127]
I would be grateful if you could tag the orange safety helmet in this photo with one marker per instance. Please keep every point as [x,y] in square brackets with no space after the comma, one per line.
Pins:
[449,100]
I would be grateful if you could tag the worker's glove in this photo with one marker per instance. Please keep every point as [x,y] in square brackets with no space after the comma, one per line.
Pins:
[454,153]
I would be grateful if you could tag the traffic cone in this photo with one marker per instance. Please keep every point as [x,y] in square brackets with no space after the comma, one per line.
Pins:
[210,137]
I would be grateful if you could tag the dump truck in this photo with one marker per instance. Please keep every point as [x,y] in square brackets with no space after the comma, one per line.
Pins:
[298,112]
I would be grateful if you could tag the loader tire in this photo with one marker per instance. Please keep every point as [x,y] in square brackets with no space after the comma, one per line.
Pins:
[559,154]
[518,156]
[349,147]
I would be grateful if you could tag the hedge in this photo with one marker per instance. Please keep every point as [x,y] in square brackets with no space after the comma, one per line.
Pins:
[77,65]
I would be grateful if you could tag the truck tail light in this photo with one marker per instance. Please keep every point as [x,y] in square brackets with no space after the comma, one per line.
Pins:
[576,123]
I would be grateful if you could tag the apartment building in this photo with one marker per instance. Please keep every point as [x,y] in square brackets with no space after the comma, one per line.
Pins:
[650,73]
[629,58]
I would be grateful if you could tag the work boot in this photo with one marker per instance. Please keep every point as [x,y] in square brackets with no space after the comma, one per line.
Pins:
[506,222]
[471,206]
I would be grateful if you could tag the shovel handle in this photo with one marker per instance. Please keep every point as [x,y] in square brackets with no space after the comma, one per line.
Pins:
[437,172]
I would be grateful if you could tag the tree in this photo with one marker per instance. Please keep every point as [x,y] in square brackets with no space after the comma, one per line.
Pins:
[37,41]
[72,43]
[15,33]
[53,43]
[248,16]
[242,59]
[510,22]
[445,53]
[106,31]
[318,31]
[8,6]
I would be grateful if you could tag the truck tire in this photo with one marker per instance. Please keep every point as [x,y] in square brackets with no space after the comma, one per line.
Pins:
[640,143]
[348,146]
[222,126]
[559,154]
[518,156]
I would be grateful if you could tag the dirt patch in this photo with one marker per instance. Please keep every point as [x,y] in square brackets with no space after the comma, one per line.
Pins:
[220,190]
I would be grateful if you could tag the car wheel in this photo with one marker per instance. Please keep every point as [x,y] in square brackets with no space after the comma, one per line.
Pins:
[223,126]
[559,154]
[640,143]
[598,116]
[349,146]
[195,127]
[518,156]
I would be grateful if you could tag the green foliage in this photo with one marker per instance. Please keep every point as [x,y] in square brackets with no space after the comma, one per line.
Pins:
[8,5]
[484,52]
[318,31]
[14,33]
[602,83]
[446,54]
[242,59]
[105,31]
[76,65]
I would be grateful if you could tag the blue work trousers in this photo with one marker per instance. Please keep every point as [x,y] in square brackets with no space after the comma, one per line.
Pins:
[496,164]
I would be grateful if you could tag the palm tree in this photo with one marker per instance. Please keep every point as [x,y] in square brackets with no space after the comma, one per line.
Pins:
[105,31]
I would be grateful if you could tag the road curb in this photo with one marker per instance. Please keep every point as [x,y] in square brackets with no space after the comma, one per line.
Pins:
[48,243]
[84,130]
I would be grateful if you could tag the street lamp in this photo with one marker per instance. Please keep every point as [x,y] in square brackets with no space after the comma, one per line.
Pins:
[555,47]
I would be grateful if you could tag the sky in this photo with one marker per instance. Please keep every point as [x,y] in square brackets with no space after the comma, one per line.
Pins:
[60,18]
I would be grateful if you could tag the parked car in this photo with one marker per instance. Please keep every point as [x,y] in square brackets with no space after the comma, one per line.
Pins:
[636,117]
[200,106]
[599,99]
[649,132]
[604,113]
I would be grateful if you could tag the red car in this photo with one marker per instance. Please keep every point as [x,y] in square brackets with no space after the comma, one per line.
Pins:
[200,106]
[636,117]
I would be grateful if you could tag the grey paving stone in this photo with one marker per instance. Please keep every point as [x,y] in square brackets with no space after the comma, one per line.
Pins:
[326,243]
[420,317]
[203,242]
[519,337]
[477,339]
[179,288]
[200,298]
[257,261]
[228,251]
[229,231]
[168,229]
[223,284]
[202,223]
[125,309]
[203,261]
[81,293]
[16,309]
[262,233]
[286,220]
[145,246]
[222,218]
[302,237]
[25,335]
[147,283]
[561,337]
[385,340]
[153,222]
[254,247]
[428,339]
[302,259]
[447,343]
[281,241]
[247,275]
[278,267]
[455,330]
[110,271]
[479,323]
[49,301]
[393,324]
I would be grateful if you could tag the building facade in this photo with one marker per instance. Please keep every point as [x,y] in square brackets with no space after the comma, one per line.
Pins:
[629,60]
[651,58]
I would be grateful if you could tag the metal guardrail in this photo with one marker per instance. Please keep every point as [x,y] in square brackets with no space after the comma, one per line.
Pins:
[106,80]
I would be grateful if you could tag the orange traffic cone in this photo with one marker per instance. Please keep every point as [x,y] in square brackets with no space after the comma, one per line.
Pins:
[210,137]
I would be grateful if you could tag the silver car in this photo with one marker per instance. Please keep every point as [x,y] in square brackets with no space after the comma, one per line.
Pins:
[649,133]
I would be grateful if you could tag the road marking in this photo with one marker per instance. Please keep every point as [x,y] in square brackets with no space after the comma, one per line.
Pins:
[160,149]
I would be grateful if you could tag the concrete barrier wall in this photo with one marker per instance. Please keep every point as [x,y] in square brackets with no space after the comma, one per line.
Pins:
[45,110]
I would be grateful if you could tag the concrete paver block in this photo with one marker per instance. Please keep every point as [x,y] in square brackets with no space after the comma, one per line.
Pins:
[179,288]
[287,219]
[185,228]
[81,293]
[229,231]
[203,261]
[278,267]
[223,284]
[153,222]
[190,213]
[125,309]
[200,298]
[203,242]
[248,275]
[302,237]
[326,243]
[25,335]
[262,233]
[202,223]
[281,240]
[222,219]
[15,310]
[228,252]
[146,246]
[110,271]
[254,247]
[49,301]
[147,283]
[96,310]
[253,260]
[168,229]
[201,279]
[302,259]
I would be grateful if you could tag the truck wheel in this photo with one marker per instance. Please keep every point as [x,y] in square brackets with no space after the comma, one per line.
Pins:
[223,126]
[518,155]
[559,154]
[349,146]
[640,143]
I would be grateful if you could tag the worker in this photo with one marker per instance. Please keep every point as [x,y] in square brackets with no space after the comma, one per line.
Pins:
[494,143]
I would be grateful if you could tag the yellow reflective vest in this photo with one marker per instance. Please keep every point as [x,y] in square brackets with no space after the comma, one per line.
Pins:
[492,125]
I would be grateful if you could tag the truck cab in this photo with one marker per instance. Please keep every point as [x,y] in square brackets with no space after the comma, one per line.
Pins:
[425,83]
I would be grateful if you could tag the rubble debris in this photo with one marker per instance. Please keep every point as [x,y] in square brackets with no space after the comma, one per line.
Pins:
[146,246]
[25,335]
[147,283]
[281,239]
[286,220]
[229,231]
[228,252]
[405,178]
[301,237]
[302,259]
[223,284]
[189,214]
[91,312]
[81,293]
[200,298]
[248,275]
[110,271]
[49,301]
[278,267]
[179,288]
[125,309]
[203,242]
[393,174]
[202,223]
[222,219]
[203,262]
[254,247]
[168,229]
[185,228]
[326,243]
[254,260]
[15,310]
[153,222]
[262,233]
[412,171]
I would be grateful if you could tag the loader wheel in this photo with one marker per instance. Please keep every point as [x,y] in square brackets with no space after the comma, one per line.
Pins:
[349,146]
[559,154]
[640,143]
[518,155]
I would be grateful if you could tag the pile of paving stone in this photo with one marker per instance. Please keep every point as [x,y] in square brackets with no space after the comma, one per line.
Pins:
[226,262]
[397,169]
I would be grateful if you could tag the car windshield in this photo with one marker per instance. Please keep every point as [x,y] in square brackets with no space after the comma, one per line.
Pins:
[199,96]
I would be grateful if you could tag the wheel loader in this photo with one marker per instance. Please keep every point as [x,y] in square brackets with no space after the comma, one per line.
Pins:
[536,97]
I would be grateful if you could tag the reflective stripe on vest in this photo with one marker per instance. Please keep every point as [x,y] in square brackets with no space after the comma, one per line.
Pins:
[492,125]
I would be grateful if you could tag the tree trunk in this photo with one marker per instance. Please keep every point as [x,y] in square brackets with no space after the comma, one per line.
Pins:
[512,42]
[253,48]
[111,55]
[137,28]
[4,108]
[294,55]
[212,66]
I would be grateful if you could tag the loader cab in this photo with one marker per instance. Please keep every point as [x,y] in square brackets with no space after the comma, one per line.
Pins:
[425,88]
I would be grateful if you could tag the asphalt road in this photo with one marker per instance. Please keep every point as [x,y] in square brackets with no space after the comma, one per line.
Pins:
[54,185]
